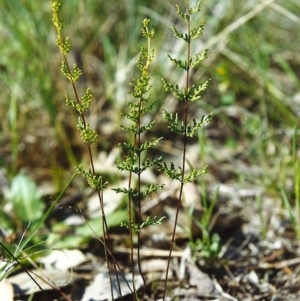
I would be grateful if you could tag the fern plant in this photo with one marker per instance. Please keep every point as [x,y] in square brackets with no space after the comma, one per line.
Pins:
[89,136]
[189,93]
[134,151]
[135,160]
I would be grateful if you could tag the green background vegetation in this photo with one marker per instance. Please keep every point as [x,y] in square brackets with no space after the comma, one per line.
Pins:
[253,65]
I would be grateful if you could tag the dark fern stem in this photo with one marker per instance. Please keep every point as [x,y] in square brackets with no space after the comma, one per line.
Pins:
[189,93]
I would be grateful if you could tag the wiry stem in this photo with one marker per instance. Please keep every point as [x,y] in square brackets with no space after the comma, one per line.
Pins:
[131,235]
[58,24]
[139,188]
[186,107]
[133,158]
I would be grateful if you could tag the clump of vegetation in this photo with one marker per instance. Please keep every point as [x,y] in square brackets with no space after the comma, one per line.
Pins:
[190,93]
[26,231]
[134,161]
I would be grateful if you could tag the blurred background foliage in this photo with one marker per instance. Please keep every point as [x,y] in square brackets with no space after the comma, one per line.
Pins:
[253,65]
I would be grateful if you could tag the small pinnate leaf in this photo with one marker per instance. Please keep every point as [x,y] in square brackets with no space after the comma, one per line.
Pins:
[179,63]
[130,191]
[173,123]
[64,47]
[128,163]
[94,180]
[148,222]
[194,175]
[195,91]
[196,8]
[180,35]
[149,144]
[56,6]
[196,125]
[172,172]
[136,194]
[69,102]
[180,94]
[145,30]
[152,188]
[197,32]
[198,58]
[88,135]
[71,75]
[85,101]
[181,14]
